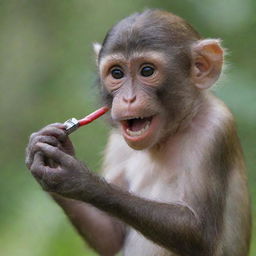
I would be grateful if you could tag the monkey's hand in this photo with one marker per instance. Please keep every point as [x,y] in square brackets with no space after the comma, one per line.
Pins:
[50,157]
[53,134]
[69,177]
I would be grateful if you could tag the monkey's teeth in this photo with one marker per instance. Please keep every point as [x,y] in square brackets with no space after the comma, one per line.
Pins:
[140,132]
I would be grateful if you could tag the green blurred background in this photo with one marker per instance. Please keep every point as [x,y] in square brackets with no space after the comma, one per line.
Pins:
[47,74]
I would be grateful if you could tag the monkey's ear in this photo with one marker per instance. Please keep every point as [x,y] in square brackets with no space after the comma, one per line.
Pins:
[97,48]
[208,57]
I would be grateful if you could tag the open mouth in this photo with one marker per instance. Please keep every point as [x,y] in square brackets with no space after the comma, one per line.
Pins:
[136,127]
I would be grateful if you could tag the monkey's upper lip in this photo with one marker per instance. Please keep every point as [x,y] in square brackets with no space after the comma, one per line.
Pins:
[130,117]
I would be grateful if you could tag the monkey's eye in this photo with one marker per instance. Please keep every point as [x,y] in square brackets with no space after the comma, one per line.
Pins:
[147,71]
[117,73]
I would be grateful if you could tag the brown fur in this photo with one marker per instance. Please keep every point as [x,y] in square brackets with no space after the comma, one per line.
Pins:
[181,190]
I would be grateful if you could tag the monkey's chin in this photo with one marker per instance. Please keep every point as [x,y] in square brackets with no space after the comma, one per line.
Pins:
[146,133]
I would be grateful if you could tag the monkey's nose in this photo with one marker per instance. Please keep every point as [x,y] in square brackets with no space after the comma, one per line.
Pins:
[129,100]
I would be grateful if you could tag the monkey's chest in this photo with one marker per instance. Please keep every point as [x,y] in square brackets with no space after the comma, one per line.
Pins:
[146,183]
[138,245]
[148,179]
[153,181]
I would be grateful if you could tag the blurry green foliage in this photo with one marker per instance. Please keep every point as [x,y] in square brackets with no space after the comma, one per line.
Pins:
[47,74]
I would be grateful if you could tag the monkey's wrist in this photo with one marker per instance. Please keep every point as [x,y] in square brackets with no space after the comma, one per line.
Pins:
[82,188]
[93,188]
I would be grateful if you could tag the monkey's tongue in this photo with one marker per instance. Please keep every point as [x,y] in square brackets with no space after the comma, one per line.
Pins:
[138,124]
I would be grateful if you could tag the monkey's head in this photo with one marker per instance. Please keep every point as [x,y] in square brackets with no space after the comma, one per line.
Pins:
[153,68]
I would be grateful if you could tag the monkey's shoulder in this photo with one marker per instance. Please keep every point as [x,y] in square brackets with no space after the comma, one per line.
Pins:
[212,127]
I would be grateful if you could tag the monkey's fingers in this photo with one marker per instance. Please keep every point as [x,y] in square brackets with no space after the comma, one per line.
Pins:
[57,130]
[49,178]
[31,149]
[55,154]
[38,167]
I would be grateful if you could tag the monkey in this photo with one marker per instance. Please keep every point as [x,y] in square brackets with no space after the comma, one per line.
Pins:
[173,179]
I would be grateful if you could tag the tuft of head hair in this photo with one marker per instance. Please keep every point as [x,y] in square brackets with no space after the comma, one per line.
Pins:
[151,29]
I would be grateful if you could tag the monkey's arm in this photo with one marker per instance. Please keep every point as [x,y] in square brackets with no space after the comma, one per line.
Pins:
[103,232]
[173,226]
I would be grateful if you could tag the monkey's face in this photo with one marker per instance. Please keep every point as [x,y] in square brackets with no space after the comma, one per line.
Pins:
[133,84]
[153,71]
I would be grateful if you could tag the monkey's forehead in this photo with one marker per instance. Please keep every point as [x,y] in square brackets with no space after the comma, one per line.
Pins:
[130,42]
[149,30]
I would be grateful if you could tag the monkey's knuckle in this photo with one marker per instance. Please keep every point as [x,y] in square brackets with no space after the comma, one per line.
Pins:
[28,162]
[36,173]
[33,168]
[36,139]
[48,139]
[52,141]
[53,150]
[71,161]
[27,151]
[32,136]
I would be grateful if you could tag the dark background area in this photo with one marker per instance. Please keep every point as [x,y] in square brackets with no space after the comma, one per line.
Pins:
[47,73]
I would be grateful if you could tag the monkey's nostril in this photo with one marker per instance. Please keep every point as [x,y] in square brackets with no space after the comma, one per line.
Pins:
[129,99]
